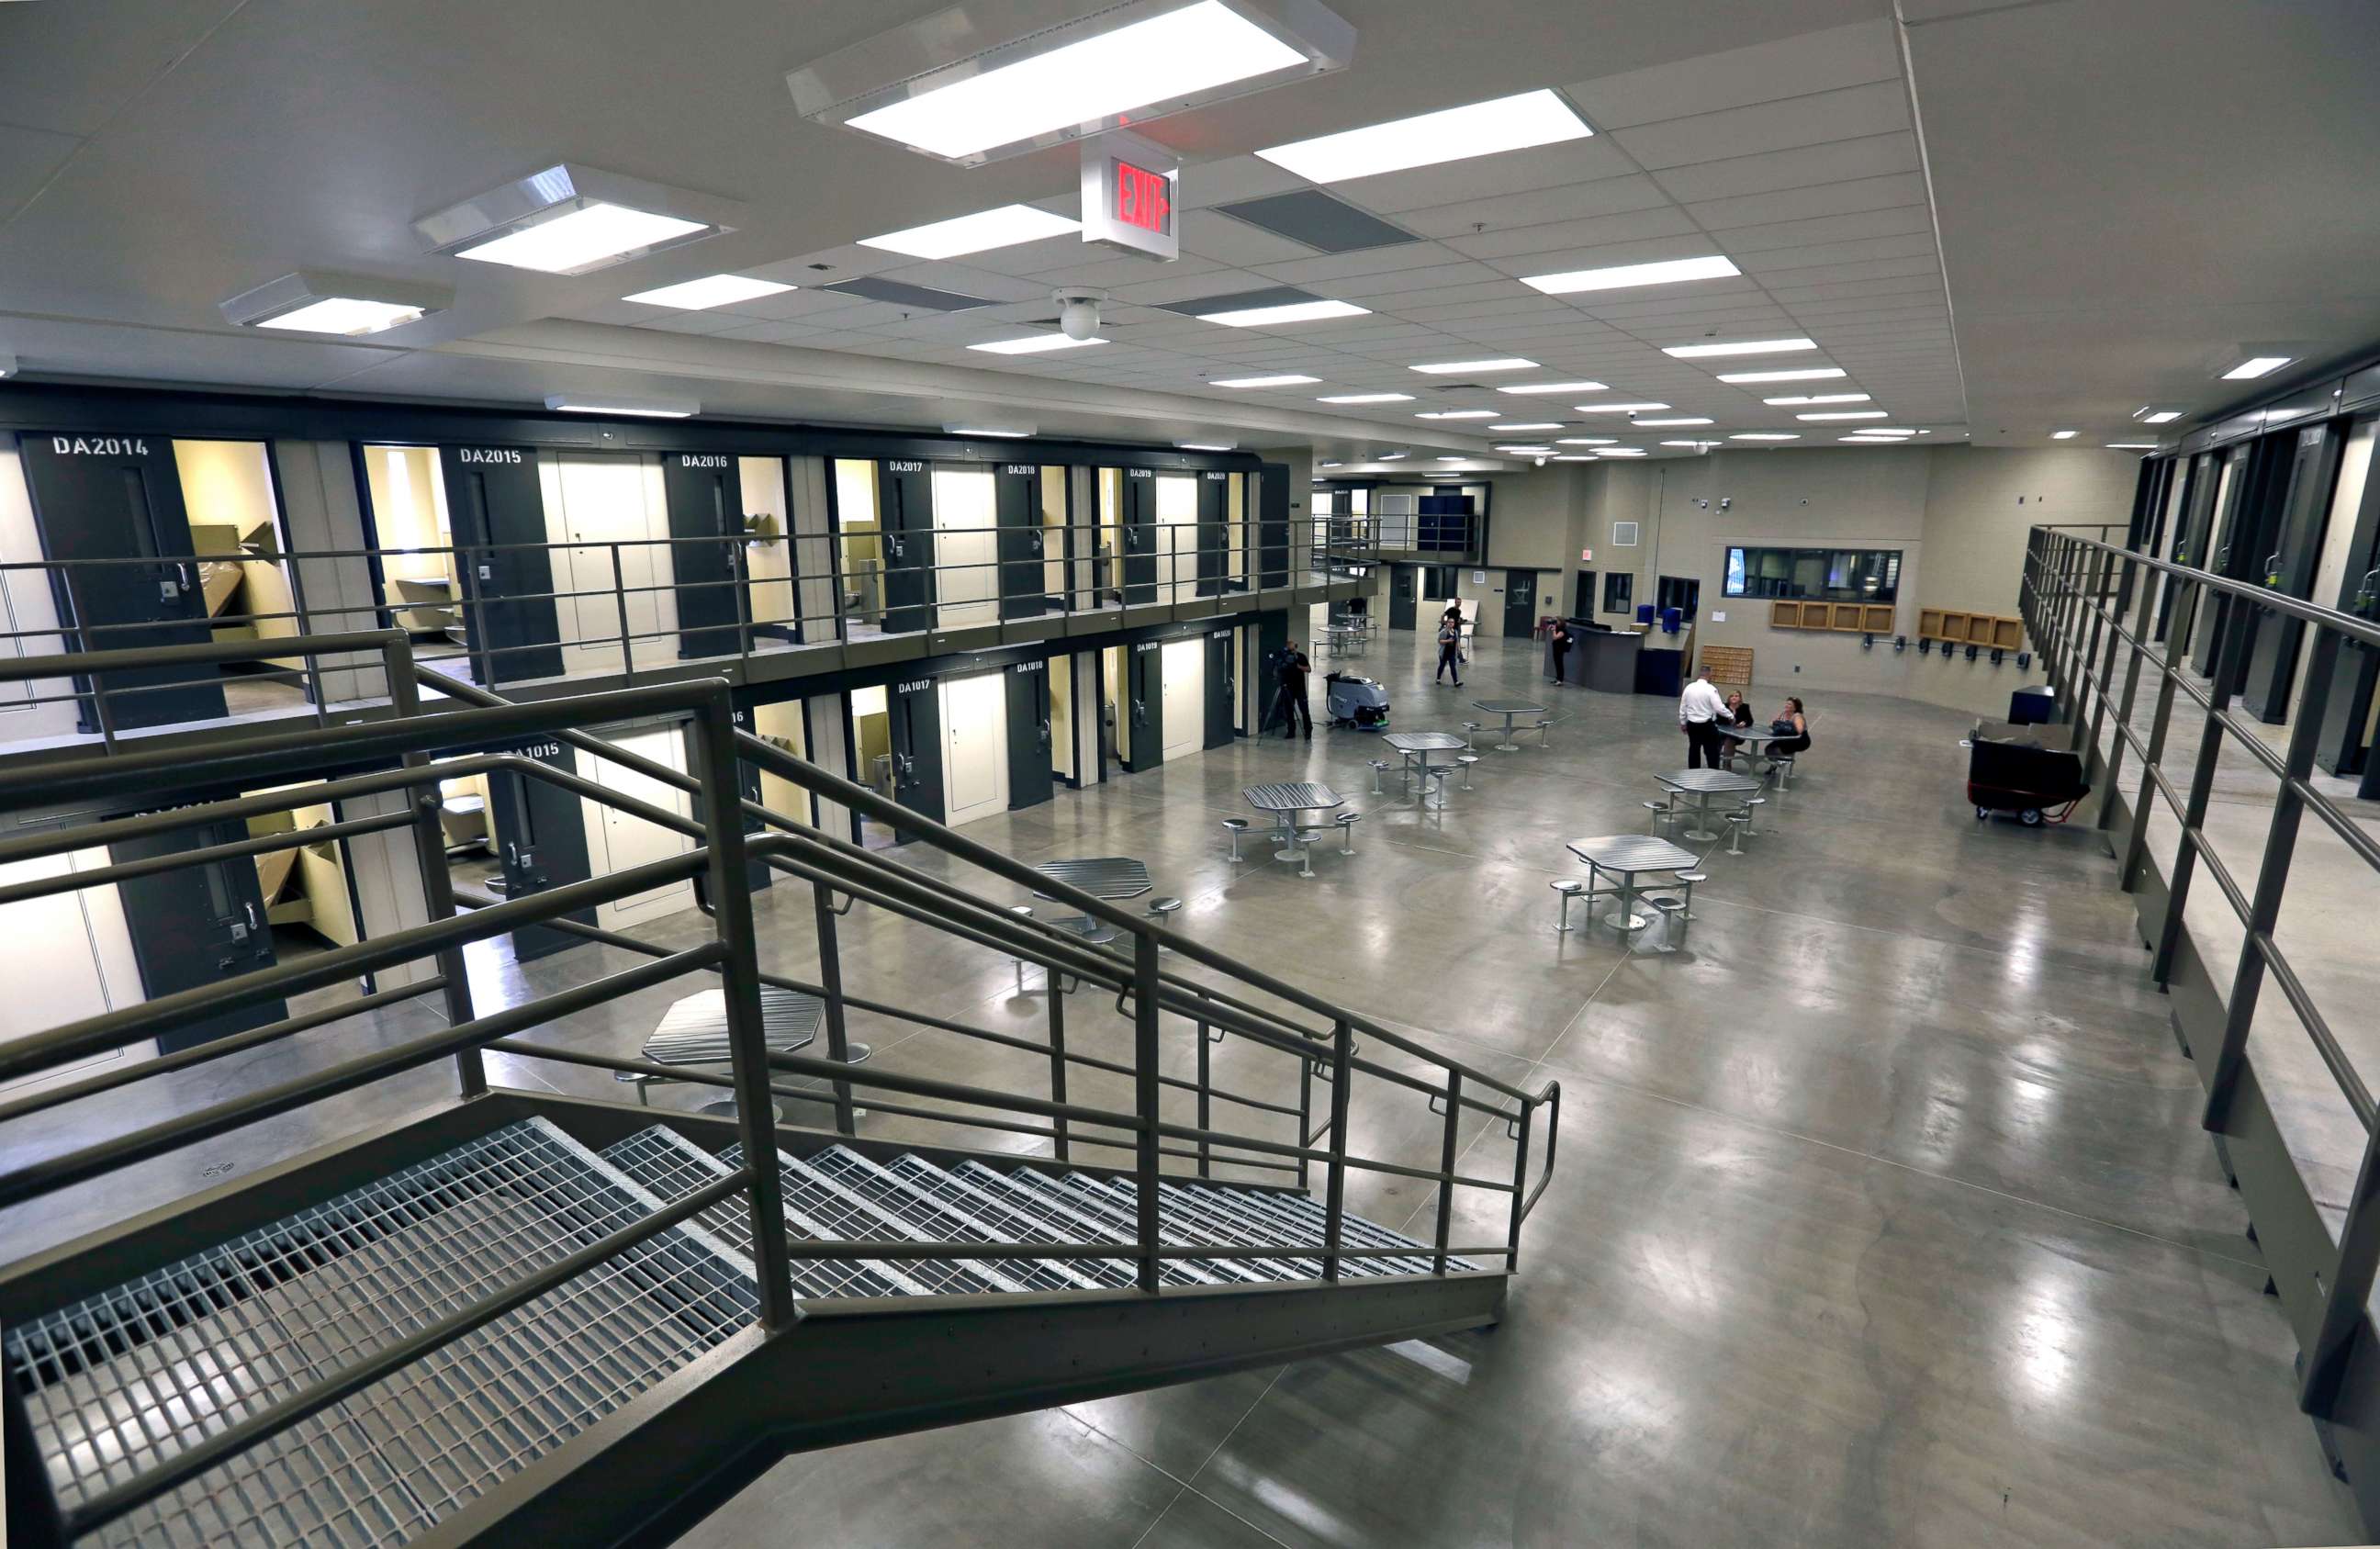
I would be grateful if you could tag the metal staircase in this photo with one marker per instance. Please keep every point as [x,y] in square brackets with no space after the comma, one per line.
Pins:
[516,1316]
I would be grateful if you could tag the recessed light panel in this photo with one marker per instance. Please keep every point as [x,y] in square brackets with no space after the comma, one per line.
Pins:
[1586,441]
[1526,451]
[1803,373]
[716,290]
[1456,414]
[1034,344]
[641,409]
[1295,311]
[1369,398]
[595,236]
[2063,435]
[1620,408]
[1741,346]
[2159,417]
[2131,446]
[1669,424]
[1207,445]
[979,233]
[1621,452]
[1815,398]
[1291,381]
[1535,425]
[1465,368]
[994,432]
[1556,387]
[2257,366]
[346,305]
[569,219]
[1426,139]
[1766,435]
[1846,414]
[1669,272]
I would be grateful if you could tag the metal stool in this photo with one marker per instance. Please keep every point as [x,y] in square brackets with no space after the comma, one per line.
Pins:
[1470,730]
[1022,912]
[1783,769]
[1347,821]
[1379,768]
[1687,905]
[1662,813]
[1668,908]
[1544,729]
[1569,888]
[1436,796]
[1161,907]
[1749,803]
[1235,827]
[1465,760]
[1737,823]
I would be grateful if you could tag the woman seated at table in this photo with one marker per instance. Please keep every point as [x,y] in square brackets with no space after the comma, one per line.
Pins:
[1738,714]
[1792,728]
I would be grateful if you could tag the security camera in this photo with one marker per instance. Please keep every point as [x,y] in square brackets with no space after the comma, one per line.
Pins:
[1541,461]
[1727,502]
[1078,312]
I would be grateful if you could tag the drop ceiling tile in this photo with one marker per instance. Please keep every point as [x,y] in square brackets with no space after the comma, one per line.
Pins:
[1609,196]
[967,280]
[1796,296]
[1852,114]
[1831,228]
[1594,231]
[1808,203]
[1801,66]
[1562,260]
[1768,170]
[1388,291]
[1163,285]
[1408,303]
[1512,172]
[1233,177]
[692,323]
[1028,259]
[615,312]
[849,262]
[1211,235]
[1098,268]
[1318,273]
[1920,244]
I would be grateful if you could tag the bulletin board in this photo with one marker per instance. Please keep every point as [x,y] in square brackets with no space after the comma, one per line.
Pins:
[1729,666]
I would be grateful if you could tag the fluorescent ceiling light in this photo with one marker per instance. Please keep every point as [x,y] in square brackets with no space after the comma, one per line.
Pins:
[1458,413]
[2159,417]
[1533,425]
[1804,373]
[346,305]
[1621,452]
[1884,430]
[1525,451]
[1034,344]
[1556,387]
[1669,272]
[1585,441]
[1296,312]
[1574,457]
[1620,408]
[1665,424]
[1455,459]
[2131,446]
[999,432]
[1741,346]
[1207,445]
[1689,444]
[2257,366]
[1820,398]
[588,238]
[1392,456]
[1871,440]
[1452,134]
[979,233]
[1452,368]
[1050,93]
[1768,435]
[1369,398]
[1332,464]
[717,290]
[1289,380]
[641,409]
[2063,435]
[1846,414]
[572,220]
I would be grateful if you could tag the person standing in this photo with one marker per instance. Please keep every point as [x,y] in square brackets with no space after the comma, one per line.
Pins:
[1561,643]
[1700,709]
[1449,647]
[1288,700]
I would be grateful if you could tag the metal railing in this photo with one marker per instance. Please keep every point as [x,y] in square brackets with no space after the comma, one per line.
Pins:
[2089,603]
[407,755]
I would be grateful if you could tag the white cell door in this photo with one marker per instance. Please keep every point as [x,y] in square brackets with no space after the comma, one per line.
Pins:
[1177,544]
[617,841]
[597,502]
[966,547]
[974,748]
[1186,696]
[64,957]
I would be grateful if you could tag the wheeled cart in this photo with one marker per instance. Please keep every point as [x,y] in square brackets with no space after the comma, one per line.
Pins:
[2011,768]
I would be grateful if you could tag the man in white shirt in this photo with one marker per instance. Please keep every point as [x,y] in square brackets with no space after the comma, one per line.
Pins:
[1700,709]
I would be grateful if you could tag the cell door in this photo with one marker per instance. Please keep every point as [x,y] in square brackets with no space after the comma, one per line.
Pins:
[1214,537]
[628,840]
[1024,585]
[196,926]
[904,510]
[1581,595]
[1143,707]
[1222,686]
[757,874]
[1184,690]
[706,501]
[2274,639]
[1140,537]
[1403,584]
[497,504]
[540,834]
[912,713]
[1273,526]
[1031,745]
[119,498]
[2347,710]
[974,748]
[1520,604]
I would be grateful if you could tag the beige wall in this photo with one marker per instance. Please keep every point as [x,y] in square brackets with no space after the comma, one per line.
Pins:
[1959,515]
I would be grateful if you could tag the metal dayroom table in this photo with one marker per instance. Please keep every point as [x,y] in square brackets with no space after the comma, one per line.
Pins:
[1512,710]
[1285,801]
[1417,747]
[1626,857]
[1756,741]
[694,1032]
[1702,785]
[1110,877]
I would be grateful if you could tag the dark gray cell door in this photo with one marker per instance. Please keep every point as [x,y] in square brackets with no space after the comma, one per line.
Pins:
[916,716]
[1404,580]
[1582,603]
[497,504]
[1140,537]
[2276,640]
[706,501]
[1520,603]
[747,788]
[2248,516]
[904,510]
[541,832]
[2346,712]
[2197,522]
[1272,526]
[1144,703]
[1023,585]
[1223,687]
[198,926]
[1028,734]
[118,498]
[1213,538]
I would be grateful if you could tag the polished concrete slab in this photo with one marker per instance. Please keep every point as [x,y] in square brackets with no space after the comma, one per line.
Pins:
[1882,1215]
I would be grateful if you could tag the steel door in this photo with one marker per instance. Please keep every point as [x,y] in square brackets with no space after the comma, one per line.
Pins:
[2346,712]
[1273,526]
[119,498]
[1023,585]
[1140,537]
[2274,639]
[1222,686]
[1212,534]
[1404,583]
[198,926]
[706,501]
[1144,703]
[541,833]
[1028,734]
[904,510]
[914,718]
[497,504]
[1520,604]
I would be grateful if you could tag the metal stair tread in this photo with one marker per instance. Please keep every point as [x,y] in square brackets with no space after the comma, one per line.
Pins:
[1084,1227]
[944,1221]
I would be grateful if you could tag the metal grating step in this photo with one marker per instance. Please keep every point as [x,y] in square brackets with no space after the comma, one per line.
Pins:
[1052,1206]
[1105,1209]
[1352,1229]
[385,1464]
[944,1220]
[1011,1218]
[673,1167]
[829,1213]
[1273,1227]
[1199,1225]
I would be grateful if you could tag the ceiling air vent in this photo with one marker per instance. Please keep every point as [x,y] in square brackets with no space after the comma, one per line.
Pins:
[1623,535]
[1239,301]
[1313,218]
[923,297]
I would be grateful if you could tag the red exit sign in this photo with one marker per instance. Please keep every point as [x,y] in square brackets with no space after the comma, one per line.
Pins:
[1143,197]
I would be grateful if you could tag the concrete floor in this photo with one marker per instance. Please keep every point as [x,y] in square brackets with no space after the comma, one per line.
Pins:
[1882,1213]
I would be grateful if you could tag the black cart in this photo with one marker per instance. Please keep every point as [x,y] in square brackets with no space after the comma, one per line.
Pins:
[2011,768]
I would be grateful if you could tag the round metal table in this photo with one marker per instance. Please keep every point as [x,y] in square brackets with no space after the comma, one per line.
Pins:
[1702,785]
